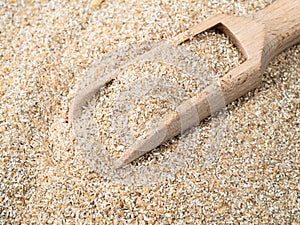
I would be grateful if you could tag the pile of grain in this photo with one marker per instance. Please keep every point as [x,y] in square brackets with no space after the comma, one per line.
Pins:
[45,50]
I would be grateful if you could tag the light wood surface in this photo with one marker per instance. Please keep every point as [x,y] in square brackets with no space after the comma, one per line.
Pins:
[260,37]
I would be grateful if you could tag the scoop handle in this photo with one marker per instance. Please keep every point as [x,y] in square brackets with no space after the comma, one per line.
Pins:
[282,26]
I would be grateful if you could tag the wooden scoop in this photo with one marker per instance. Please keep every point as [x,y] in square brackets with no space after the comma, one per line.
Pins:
[260,37]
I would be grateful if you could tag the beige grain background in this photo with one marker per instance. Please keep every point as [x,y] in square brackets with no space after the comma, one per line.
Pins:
[46,47]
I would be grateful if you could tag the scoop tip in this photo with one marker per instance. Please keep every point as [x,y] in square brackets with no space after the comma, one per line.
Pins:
[119,164]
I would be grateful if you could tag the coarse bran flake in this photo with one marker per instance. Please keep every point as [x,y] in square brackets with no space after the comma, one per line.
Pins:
[47,47]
